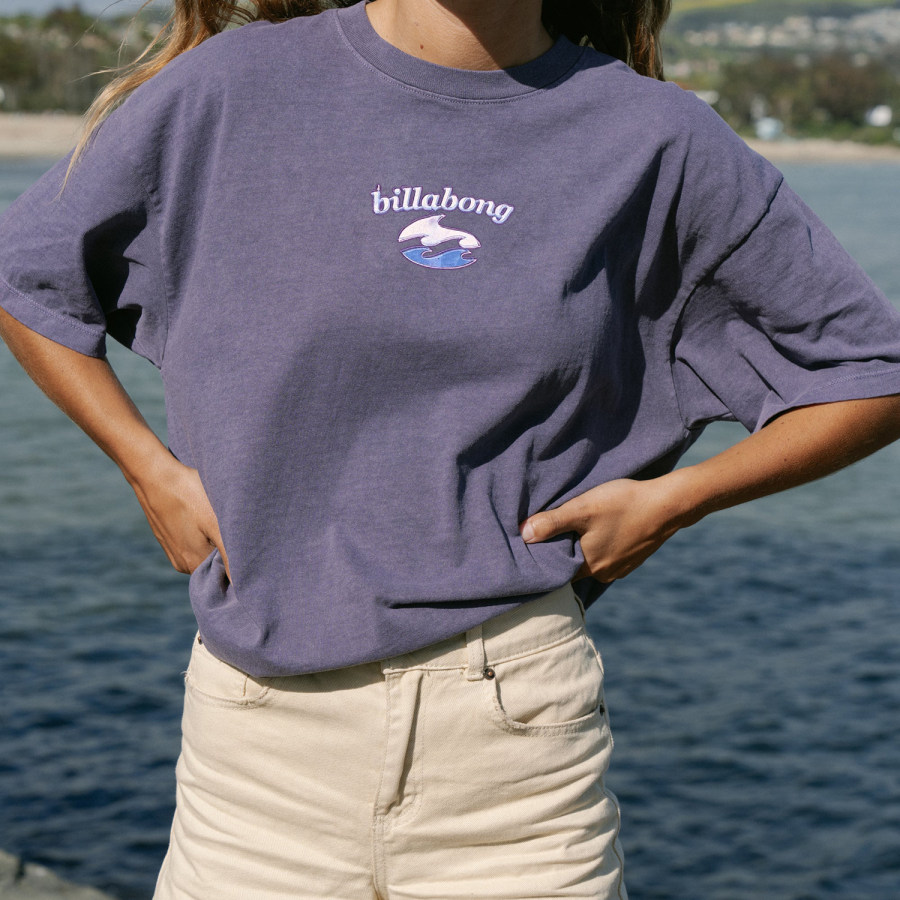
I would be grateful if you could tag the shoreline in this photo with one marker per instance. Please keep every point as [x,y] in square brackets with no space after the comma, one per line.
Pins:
[37,135]
[26,136]
[823,150]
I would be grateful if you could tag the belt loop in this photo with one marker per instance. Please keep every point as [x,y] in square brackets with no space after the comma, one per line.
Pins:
[475,646]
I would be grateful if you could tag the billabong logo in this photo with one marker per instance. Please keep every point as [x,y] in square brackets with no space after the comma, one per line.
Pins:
[413,199]
[430,234]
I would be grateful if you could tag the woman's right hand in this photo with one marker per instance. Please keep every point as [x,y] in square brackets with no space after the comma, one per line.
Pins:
[88,391]
[179,512]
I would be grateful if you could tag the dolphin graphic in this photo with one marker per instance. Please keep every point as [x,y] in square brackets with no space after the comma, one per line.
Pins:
[431,233]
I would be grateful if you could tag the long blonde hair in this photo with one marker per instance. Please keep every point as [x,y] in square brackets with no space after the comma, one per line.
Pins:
[627,29]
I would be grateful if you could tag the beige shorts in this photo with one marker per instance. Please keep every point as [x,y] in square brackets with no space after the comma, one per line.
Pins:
[470,769]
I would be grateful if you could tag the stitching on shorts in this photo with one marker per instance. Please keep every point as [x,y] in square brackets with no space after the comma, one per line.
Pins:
[519,654]
[260,699]
[616,848]
[243,702]
[506,723]
[418,739]
[530,650]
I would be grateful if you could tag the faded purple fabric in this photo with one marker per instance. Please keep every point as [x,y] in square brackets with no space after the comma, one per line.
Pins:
[399,307]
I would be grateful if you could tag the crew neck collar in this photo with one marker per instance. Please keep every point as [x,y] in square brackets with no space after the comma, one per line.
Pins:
[464,84]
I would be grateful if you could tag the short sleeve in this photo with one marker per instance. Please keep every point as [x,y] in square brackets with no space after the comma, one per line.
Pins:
[81,260]
[787,319]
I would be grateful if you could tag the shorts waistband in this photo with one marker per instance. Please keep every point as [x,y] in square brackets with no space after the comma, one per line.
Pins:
[543,622]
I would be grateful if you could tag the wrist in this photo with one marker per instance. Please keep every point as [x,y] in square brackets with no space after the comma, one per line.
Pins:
[684,498]
[144,459]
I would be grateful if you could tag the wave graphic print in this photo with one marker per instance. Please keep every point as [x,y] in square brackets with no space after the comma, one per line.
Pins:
[430,233]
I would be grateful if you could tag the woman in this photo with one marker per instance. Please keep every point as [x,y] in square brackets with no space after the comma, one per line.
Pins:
[439,298]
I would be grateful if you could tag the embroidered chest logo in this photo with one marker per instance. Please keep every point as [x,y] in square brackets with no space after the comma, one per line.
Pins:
[435,241]
[432,234]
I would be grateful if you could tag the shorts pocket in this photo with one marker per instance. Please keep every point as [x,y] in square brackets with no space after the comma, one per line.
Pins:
[213,681]
[553,690]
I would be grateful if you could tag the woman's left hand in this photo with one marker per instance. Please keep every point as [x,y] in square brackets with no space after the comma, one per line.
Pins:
[623,522]
[620,524]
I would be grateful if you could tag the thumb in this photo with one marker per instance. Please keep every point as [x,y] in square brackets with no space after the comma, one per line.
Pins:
[544,525]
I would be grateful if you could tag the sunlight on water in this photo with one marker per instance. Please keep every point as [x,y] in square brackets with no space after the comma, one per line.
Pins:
[753,665]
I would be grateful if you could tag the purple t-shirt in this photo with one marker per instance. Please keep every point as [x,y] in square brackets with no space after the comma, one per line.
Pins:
[399,307]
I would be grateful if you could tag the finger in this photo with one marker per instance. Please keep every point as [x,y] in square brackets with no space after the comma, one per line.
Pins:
[548,524]
[583,572]
[214,536]
[607,573]
[602,577]
[617,573]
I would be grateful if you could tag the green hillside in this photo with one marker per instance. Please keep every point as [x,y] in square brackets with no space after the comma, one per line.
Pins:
[789,62]
[767,10]
[776,7]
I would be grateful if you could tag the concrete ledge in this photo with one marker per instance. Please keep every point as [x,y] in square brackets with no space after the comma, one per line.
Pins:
[27,881]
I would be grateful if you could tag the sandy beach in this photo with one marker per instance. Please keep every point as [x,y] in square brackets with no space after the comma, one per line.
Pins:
[37,135]
[817,150]
[50,135]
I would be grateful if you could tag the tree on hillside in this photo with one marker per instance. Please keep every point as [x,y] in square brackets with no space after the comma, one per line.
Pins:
[56,62]
[805,93]
[71,22]
[845,91]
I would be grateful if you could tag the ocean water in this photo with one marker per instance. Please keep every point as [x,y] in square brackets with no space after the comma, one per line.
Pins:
[753,664]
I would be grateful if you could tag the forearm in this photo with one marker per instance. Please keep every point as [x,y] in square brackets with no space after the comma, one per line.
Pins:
[622,523]
[800,446]
[89,392]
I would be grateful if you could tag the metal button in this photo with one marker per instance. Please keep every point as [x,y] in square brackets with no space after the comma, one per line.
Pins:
[489,673]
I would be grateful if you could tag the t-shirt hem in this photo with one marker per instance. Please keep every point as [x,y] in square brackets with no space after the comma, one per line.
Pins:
[860,386]
[58,327]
